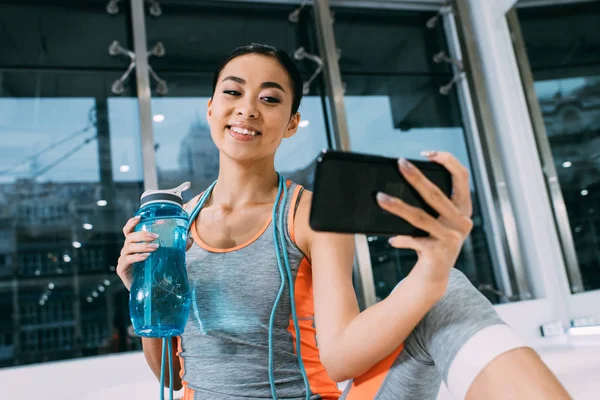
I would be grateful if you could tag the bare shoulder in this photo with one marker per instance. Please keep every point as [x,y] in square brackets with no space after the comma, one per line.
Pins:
[302,228]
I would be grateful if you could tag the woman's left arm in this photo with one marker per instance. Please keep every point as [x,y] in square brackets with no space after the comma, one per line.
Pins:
[350,343]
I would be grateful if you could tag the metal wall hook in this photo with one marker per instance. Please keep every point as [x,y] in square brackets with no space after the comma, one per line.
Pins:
[442,57]
[161,85]
[301,54]
[294,16]
[444,90]
[112,7]
[161,88]
[445,9]
[158,50]
[115,50]
[118,87]
[155,8]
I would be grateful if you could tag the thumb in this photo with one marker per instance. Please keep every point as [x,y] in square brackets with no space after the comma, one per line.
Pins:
[190,242]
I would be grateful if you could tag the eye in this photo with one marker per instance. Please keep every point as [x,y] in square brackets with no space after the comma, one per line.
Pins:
[270,99]
[232,92]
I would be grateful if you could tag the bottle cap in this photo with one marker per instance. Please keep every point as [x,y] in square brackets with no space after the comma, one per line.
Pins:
[167,195]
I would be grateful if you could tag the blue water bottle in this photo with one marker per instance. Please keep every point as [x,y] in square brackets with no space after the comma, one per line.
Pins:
[159,299]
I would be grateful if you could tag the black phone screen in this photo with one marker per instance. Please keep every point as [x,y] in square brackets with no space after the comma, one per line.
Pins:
[346,185]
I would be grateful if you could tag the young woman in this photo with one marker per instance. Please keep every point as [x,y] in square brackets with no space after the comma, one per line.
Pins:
[435,326]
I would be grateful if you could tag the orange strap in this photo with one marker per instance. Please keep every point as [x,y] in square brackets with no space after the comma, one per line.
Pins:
[365,387]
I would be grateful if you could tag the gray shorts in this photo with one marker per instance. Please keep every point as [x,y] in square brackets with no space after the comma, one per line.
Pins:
[459,336]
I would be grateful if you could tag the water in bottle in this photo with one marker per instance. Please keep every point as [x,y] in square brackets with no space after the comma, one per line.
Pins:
[159,299]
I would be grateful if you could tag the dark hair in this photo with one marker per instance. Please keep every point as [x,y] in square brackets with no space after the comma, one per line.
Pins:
[281,56]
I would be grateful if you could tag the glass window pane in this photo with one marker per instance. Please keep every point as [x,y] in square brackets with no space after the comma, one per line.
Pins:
[562,43]
[72,33]
[70,175]
[198,35]
[395,109]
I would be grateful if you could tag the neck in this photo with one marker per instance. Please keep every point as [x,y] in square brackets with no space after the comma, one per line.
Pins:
[242,183]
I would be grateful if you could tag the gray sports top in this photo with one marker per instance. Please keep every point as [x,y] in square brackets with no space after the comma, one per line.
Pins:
[224,350]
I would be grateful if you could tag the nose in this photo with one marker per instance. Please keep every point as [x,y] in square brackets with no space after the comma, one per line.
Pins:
[247,109]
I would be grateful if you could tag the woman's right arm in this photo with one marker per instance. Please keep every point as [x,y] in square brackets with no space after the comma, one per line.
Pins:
[137,247]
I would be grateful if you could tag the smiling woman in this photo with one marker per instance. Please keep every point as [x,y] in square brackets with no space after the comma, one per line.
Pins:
[85,135]
[253,332]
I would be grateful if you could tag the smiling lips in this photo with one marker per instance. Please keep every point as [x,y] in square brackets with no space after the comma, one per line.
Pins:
[241,132]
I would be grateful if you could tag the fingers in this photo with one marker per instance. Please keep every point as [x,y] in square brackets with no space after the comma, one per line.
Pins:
[130,225]
[407,242]
[432,194]
[139,242]
[138,248]
[413,215]
[460,180]
[141,236]
[126,261]
[136,243]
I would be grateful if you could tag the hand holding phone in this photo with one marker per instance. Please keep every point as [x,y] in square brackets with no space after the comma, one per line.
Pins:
[346,186]
[423,207]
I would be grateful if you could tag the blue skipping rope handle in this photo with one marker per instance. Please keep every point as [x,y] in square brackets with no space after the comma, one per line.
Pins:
[162,370]
[167,346]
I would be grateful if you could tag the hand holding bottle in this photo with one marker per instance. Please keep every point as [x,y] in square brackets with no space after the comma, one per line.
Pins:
[137,247]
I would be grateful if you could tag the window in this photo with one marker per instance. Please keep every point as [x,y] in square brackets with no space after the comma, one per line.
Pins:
[63,196]
[394,108]
[562,46]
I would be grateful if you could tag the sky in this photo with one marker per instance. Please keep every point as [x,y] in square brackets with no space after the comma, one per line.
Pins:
[48,126]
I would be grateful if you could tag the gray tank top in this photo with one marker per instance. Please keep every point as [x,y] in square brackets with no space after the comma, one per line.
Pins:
[224,350]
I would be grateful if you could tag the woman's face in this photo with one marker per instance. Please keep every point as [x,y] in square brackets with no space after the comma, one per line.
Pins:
[250,112]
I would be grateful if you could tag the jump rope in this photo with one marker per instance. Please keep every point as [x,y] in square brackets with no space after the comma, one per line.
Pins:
[283,264]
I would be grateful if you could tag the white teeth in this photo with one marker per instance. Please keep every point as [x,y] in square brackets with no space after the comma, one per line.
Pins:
[243,131]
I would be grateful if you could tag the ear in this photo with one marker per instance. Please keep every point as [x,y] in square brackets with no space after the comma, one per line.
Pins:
[209,110]
[292,127]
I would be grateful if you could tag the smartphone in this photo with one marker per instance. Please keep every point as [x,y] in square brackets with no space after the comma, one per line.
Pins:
[345,189]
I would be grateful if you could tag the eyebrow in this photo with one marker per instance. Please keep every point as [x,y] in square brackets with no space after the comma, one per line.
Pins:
[264,85]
